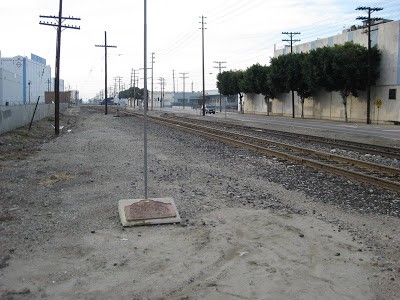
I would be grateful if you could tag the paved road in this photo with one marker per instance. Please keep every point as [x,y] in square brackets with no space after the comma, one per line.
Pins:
[381,130]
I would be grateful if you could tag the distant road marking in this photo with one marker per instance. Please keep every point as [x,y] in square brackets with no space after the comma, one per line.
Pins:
[392,130]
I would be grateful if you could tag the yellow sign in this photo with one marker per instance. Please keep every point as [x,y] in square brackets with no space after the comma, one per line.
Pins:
[378,103]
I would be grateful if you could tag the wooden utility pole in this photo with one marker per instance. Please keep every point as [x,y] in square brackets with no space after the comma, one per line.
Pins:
[152,74]
[369,20]
[105,46]
[173,81]
[59,20]
[291,41]
[184,77]
[220,67]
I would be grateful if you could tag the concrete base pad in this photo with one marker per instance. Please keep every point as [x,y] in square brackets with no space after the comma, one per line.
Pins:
[136,212]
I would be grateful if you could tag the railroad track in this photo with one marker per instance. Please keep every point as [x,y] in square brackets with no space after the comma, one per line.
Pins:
[378,175]
[337,143]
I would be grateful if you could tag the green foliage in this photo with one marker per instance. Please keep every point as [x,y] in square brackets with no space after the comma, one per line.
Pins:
[252,79]
[129,93]
[350,68]
[229,82]
[342,68]
[256,79]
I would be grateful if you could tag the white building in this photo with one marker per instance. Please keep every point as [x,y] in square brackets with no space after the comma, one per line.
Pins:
[328,105]
[23,80]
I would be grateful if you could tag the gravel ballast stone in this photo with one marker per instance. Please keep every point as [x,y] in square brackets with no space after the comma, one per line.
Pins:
[251,224]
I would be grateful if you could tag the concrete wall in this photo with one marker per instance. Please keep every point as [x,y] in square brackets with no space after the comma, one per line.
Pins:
[325,105]
[12,117]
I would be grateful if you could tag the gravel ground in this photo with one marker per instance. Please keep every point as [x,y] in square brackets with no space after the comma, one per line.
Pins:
[253,227]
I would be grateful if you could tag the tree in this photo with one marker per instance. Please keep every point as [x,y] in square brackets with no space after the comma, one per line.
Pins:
[289,72]
[303,83]
[139,93]
[349,70]
[278,74]
[252,79]
[229,84]
[256,79]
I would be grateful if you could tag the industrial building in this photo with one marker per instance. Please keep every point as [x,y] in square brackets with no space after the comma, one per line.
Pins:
[328,105]
[23,80]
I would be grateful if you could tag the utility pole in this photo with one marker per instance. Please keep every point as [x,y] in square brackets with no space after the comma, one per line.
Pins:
[131,85]
[134,86]
[163,93]
[291,41]
[220,67]
[105,46]
[147,98]
[119,85]
[115,86]
[369,21]
[152,73]
[184,77]
[162,87]
[202,47]
[59,24]
[117,79]
[173,80]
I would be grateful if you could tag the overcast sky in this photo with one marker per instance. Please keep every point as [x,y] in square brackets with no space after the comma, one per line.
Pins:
[238,32]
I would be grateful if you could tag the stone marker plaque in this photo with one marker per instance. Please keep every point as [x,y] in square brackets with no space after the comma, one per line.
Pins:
[149,209]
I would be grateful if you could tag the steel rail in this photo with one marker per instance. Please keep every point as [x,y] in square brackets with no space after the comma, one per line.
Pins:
[360,147]
[223,136]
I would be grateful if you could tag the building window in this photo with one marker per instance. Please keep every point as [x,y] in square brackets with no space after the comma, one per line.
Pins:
[392,94]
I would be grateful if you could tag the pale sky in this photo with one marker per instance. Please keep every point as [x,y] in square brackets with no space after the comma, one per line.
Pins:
[238,32]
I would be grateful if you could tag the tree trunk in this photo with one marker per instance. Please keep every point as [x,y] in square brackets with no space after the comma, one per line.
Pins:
[344,97]
[241,103]
[267,102]
[302,107]
[345,109]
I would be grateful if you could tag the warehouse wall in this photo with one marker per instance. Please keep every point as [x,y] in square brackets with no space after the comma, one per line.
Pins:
[12,117]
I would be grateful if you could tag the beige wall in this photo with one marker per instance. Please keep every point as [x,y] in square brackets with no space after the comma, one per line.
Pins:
[326,105]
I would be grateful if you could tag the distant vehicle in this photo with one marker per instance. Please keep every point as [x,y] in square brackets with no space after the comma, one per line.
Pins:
[109,102]
[209,109]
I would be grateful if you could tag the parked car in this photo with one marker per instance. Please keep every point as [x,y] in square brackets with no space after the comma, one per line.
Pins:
[209,109]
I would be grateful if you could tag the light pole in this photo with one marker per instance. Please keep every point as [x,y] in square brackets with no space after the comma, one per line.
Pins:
[146,103]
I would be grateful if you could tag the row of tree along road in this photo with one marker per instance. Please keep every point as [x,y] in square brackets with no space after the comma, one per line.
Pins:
[340,68]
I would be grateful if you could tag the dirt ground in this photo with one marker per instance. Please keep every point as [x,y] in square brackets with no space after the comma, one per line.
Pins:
[242,236]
